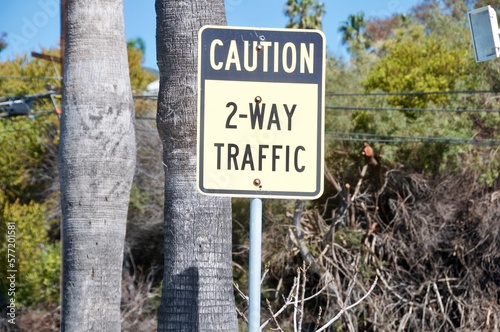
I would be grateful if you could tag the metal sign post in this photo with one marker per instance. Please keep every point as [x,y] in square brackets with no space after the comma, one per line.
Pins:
[260,123]
[255,265]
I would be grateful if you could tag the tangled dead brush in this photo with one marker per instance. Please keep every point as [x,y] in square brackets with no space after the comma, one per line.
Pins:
[140,299]
[432,244]
[439,251]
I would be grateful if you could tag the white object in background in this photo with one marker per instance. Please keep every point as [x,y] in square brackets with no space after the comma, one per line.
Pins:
[483,26]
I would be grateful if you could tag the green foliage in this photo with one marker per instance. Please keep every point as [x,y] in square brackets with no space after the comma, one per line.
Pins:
[139,77]
[417,62]
[29,76]
[485,161]
[414,60]
[353,34]
[38,261]
[23,149]
[304,14]
[27,150]
[348,237]
[3,43]
[138,44]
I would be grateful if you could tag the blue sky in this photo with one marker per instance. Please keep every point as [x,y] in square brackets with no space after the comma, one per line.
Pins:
[32,24]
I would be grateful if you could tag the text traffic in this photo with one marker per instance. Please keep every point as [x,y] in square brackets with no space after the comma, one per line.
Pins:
[260,157]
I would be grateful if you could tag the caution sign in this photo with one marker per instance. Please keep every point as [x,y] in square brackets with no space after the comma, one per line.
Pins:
[260,112]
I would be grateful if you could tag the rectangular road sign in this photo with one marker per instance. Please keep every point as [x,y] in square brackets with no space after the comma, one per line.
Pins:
[260,112]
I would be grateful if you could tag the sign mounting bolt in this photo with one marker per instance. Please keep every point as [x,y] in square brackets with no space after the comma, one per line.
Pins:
[258,99]
[256,182]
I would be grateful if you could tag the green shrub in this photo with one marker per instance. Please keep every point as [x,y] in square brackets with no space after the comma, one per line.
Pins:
[37,261]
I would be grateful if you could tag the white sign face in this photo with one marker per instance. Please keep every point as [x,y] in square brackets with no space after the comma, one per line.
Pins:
[260,112]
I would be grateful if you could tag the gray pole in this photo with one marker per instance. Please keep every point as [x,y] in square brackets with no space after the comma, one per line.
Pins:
[255,265]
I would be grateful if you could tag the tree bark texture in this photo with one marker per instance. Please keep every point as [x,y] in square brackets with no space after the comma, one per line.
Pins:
[96,164]
[197,290]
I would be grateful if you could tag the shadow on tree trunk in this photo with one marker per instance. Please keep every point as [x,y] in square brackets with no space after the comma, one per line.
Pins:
[181,303]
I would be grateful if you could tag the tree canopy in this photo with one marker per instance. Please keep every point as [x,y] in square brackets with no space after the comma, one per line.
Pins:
[416,61]
[353,33]
[3,43]
[304,14]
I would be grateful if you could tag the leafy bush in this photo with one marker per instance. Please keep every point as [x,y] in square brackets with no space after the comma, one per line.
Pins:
[38,261]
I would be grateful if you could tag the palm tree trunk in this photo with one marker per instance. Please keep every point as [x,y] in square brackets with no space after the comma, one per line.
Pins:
[197,290]
[96,164]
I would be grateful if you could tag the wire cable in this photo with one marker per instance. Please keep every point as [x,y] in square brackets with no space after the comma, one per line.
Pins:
[406,93]
[151,97]
[408,139]
[31,77]
[327,94]
[409,109]
[21,129]
[144,118]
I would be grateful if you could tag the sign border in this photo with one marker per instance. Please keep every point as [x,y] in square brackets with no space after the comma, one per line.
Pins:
[274,194]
